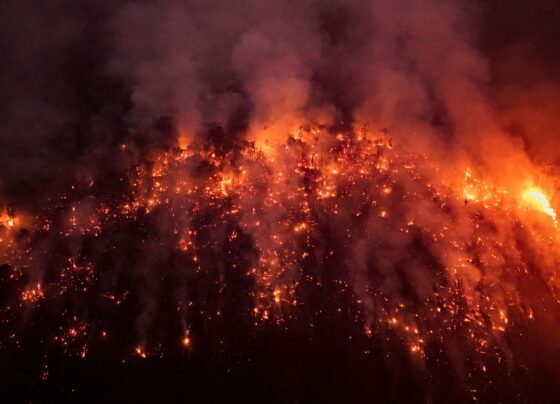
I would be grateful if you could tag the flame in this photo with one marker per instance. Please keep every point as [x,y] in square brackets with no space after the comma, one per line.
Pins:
[281,202]
[536,199]
[140,352]
[8,221]
[32,295]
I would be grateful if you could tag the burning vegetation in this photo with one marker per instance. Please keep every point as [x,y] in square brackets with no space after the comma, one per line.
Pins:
[353,224]
[304,200]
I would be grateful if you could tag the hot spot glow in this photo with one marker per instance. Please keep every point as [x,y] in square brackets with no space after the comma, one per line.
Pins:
[535,198]
[140,352]
[309,229]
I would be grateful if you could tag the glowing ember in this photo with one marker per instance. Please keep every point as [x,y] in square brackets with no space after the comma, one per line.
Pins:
[32,295]
[140,352]
[347,215]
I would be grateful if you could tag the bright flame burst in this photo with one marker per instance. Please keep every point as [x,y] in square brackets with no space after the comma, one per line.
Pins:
[537,199]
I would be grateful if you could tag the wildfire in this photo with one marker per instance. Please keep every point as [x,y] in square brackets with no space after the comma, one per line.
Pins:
[536,199]
[403,253]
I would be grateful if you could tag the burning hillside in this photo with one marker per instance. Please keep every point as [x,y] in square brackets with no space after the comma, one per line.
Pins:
[215,236]
[319,202]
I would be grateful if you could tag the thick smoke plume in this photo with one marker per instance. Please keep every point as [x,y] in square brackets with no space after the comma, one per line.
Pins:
[110,70]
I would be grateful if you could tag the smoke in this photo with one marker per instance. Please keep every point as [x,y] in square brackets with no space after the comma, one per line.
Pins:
[424,70]
[319,143]
[273,67]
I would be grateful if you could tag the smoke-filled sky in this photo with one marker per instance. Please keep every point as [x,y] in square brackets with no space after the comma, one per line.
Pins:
[78,78]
